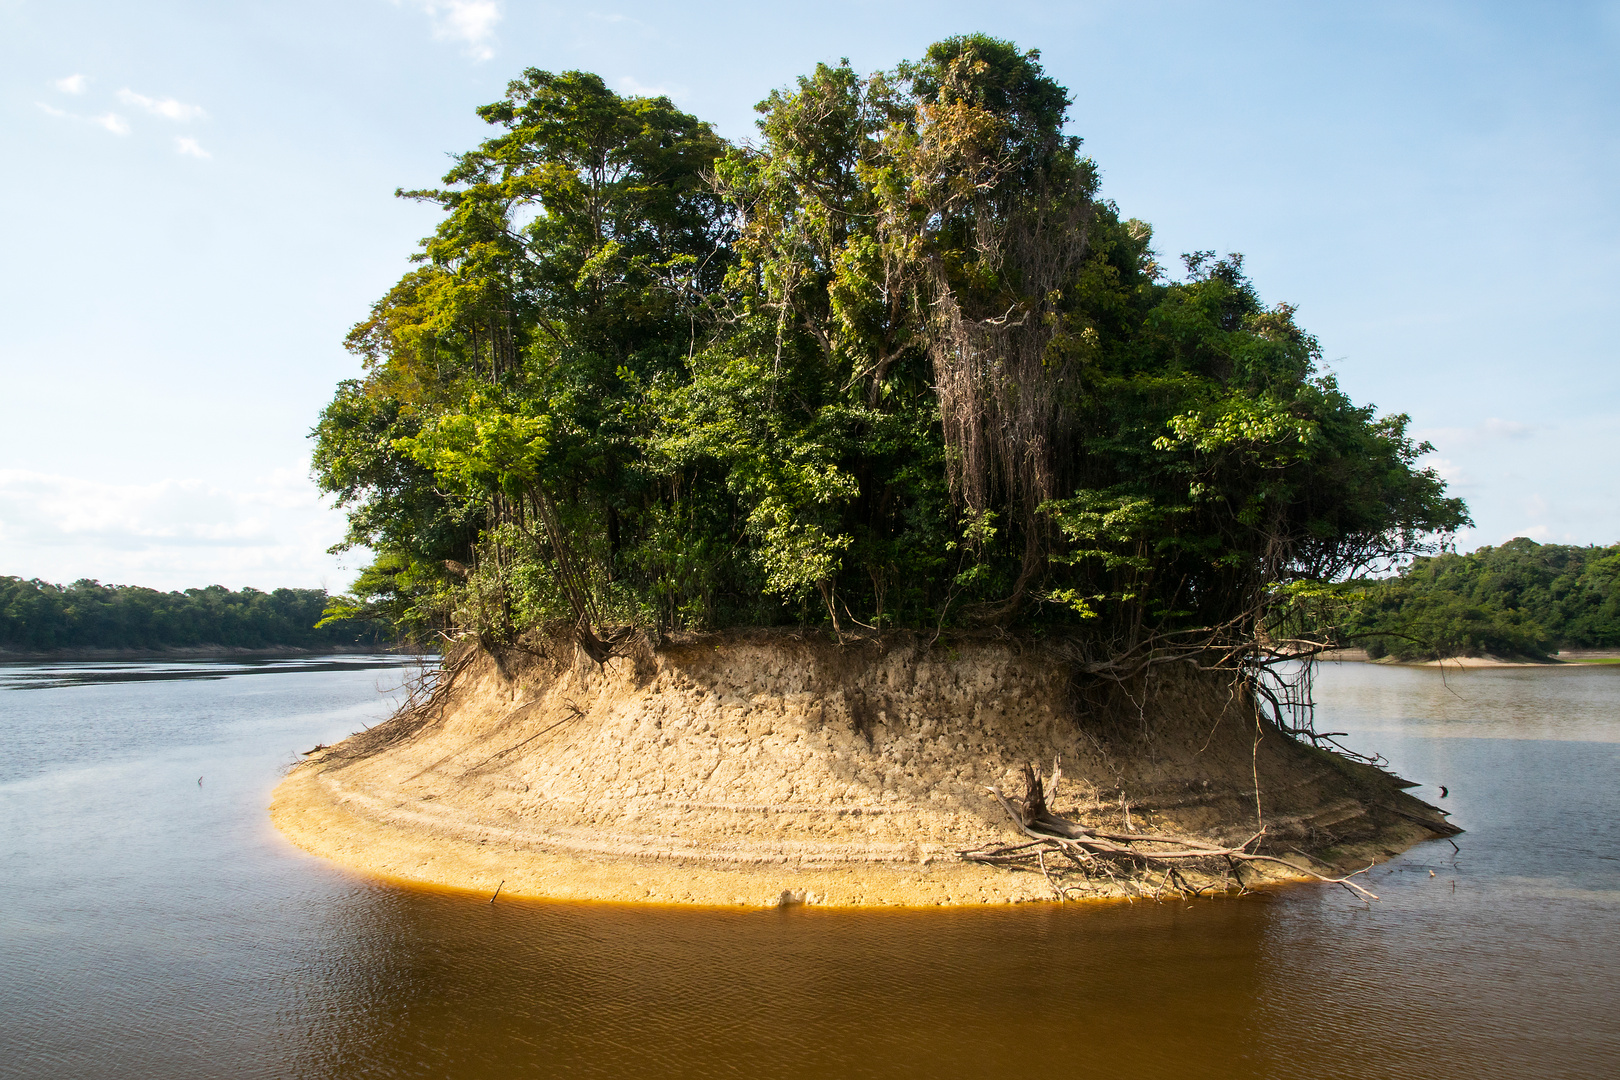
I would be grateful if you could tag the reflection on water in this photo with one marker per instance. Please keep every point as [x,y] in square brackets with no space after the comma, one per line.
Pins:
[155,927]
[1565,701]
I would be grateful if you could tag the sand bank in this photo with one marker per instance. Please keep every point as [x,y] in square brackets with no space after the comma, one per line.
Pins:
[768,768]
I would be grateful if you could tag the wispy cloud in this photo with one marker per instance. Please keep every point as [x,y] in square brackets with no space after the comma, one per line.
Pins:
[1536,512]
[1491,430]
[628,85]
[109,121]
[1449,471]
[168,108]
[170,533]
[616,19]
[471,22]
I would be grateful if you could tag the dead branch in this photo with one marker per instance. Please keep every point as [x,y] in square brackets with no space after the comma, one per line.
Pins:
[1137,855]
[426,696]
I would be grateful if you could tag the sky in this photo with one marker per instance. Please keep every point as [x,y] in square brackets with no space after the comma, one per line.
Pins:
[199,204]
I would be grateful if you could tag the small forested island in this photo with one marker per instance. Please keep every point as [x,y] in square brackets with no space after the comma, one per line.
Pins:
[862,514]
[1521,600]
[38,618]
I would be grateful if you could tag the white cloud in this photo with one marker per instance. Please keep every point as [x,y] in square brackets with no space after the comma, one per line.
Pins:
[628,85]
[471,22]
[185,144]
[166,107]
[271,530]
[110,121]
[1538,509]
[1491,430]
[621,20]
[73,84]
[1449,471]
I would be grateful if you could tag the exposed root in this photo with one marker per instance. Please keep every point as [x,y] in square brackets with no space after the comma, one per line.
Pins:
[426,697]
[1130,861]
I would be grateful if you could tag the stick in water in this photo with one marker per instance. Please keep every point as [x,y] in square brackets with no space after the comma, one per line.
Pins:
[497,890]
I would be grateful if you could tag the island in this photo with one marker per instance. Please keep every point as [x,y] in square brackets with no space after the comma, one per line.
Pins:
[859,515]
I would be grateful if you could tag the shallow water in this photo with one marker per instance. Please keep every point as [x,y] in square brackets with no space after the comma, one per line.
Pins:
[154,926]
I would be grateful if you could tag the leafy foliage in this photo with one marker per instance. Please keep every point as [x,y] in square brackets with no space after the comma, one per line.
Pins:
[895,364]
[38,616]
[1519,599]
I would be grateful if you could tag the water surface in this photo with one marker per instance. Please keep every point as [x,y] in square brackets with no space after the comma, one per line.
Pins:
[152,925]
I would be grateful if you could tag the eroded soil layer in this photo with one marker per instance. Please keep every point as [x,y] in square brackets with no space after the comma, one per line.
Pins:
[774,767]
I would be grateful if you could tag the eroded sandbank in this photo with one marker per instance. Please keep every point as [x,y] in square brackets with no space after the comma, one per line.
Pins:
[770,767]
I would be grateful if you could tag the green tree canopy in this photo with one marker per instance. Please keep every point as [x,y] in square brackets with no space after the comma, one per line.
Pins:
[1519,599]
[895,363]
[36,616]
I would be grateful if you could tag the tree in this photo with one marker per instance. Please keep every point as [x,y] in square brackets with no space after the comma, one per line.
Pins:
[504,375]
[1519,599]
[38,616]
[895,364]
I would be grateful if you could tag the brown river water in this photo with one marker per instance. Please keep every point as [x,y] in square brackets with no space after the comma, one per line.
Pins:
[155,926]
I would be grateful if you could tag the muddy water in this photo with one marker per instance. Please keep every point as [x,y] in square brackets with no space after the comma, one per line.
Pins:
[154,926]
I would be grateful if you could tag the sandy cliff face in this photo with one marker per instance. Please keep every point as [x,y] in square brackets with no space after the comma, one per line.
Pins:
[762,767]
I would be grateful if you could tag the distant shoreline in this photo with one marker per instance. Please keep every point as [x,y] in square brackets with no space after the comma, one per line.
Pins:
[191,652]
[1560,659]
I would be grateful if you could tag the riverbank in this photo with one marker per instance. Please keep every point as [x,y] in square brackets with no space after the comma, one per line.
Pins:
[769,768]
[1565,656]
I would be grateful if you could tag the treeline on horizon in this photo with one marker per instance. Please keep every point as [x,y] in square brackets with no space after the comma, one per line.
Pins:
[1522,599]
[37,616]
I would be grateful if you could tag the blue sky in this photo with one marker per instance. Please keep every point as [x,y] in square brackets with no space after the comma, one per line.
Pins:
[198,204]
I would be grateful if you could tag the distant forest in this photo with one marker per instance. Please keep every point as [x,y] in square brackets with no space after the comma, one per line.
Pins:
[38,616]
[1520,599]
